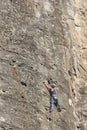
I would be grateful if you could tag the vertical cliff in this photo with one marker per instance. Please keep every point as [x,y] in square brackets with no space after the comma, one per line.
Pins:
[39,40]
[80,64]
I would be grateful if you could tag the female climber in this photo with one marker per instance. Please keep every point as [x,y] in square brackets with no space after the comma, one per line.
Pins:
[53,96]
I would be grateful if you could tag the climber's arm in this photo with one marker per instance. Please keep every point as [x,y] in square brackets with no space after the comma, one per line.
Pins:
[47,86]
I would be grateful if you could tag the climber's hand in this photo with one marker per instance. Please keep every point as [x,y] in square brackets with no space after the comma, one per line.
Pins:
[45,82]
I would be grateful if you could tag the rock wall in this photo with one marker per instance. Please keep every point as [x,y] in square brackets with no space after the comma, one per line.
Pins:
[39,40]
[80,64]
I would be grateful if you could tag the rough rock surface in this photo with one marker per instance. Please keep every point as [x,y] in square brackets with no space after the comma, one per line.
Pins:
[39,40]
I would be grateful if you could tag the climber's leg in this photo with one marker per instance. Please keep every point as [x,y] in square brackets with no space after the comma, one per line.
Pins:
[58,105]
[51,104]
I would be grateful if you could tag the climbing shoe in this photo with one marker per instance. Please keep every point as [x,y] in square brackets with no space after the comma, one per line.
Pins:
[59,109]
[50,110]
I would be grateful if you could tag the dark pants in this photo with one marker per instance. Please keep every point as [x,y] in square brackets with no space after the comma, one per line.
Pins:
[54,101]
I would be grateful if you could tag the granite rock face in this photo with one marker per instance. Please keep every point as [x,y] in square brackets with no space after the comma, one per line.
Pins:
[43,40]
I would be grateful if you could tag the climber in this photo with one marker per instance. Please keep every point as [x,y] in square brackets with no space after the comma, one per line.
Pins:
[53,96]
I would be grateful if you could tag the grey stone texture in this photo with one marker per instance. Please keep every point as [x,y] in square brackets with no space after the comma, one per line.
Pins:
[43,40]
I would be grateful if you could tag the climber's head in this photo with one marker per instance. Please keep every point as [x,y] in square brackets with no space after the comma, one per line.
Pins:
[53,85]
